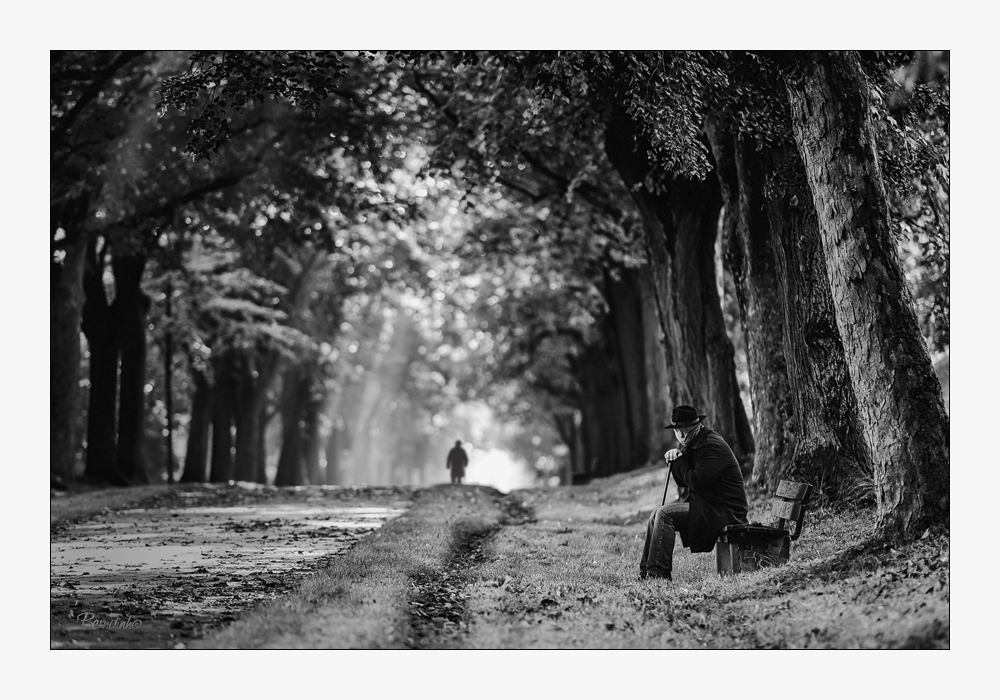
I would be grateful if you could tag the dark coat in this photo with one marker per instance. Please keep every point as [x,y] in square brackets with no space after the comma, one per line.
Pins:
[717,497]
[457,459]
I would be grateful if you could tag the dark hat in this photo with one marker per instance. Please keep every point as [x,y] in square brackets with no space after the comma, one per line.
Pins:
[684,417]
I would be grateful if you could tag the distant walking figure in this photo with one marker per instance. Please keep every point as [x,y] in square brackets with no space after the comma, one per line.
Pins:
[457,460]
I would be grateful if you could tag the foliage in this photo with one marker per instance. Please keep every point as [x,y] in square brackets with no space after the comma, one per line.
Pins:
[456,207]
[914,138]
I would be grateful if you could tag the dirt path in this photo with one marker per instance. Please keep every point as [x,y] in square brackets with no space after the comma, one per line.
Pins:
[191,559]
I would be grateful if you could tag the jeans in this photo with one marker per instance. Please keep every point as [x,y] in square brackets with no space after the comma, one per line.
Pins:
[658,551]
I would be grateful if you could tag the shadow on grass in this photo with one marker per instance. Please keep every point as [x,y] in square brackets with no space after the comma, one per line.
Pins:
[874,555]
[437,610]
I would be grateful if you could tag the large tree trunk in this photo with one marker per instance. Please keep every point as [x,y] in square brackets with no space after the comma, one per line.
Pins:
[681,223]
[899,398]
[749,255]
[196,455]
[99,326]
[830,450]
[607,445]
[625,332]
[656,365]
[65,309]
[131,307]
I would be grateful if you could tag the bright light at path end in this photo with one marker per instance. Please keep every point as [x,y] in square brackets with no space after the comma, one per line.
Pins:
[499,469]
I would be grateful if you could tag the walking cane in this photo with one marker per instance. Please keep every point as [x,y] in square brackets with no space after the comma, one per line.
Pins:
[665,485]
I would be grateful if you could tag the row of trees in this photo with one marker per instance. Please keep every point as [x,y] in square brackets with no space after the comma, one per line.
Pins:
[590,292]
[245,272]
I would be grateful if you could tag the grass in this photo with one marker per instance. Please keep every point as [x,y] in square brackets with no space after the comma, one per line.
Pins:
[85,501]
[361,601]
[567,578]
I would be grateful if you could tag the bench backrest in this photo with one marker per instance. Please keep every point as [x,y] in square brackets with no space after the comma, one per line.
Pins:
[788,508]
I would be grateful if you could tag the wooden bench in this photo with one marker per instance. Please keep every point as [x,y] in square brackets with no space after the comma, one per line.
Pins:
[750,547]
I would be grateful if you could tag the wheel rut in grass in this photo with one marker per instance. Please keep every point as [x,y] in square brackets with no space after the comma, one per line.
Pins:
[438,615]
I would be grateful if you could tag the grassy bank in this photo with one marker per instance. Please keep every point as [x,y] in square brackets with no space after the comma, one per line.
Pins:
[362,602]
[557,568]
[83,501]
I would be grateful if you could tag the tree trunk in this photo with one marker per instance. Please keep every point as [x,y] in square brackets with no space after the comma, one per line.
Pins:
[199,429]
[262,420]
[252,380]
[99,326]
[168,385]
[608,448]
[332,475]
[899,398]
[313,442]
[566,426]
[131,307]
[65,310]
[681,225]
[656,365]
[750,258]
[625,330]
[830,450]
[222,422]
[247,414]
[290,463]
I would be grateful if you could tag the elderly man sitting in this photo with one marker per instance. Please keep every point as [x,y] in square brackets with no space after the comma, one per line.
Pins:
[706,465]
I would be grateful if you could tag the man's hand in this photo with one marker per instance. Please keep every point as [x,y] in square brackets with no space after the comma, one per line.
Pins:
[671,455]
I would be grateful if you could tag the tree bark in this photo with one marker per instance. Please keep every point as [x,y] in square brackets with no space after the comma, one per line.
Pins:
[247,413]
[252,379]
[222,422]
[625,331]
[830,450]
[656,365]
[65,309]
[131,307]
[290,463]
[196,455]
[99,326]
[313,442]
[749,256]
[899,398]
[607,447]
[332,475]
[681,223]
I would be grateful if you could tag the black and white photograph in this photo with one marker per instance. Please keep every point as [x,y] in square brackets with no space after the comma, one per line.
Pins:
[501,349]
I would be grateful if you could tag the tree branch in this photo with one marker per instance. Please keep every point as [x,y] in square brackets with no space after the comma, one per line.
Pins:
[63,125]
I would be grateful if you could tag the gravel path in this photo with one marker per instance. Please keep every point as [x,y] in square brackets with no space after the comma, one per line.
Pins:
[192,559]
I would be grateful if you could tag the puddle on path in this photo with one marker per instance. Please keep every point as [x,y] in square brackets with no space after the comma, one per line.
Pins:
[163,576]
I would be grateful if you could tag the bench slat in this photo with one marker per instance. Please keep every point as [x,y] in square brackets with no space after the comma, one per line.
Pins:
[748,547]
[787,510]
[792,490]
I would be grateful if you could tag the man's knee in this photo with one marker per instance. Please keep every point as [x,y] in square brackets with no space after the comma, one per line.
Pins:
[661,515]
